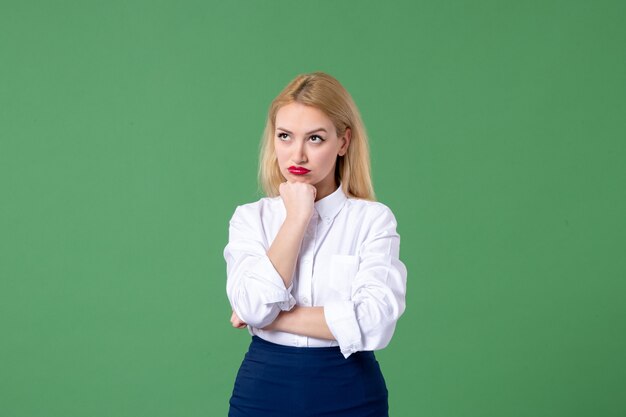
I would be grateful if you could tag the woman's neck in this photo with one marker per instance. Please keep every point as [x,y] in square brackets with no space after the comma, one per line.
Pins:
[325,190]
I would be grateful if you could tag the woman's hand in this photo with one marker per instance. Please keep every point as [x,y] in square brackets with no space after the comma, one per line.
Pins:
[237,322]
[298,198]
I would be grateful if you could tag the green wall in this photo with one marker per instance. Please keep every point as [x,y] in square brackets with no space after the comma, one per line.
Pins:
[129,132]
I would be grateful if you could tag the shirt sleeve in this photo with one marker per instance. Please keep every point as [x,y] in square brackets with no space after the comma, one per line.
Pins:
[255,289]
[367,321]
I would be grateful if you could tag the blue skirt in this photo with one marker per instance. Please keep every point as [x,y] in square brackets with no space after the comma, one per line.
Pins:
[276,381]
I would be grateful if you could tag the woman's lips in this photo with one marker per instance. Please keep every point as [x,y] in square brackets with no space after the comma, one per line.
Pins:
[298,170]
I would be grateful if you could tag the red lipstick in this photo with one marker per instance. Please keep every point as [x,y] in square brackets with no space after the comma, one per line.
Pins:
[298,170]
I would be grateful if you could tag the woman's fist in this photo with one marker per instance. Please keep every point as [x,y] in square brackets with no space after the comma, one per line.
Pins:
[298,198]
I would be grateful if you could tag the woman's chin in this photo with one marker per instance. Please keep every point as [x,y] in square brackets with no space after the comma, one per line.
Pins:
[299,178]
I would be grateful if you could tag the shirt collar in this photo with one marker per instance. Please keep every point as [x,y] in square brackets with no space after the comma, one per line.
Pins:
[329,206]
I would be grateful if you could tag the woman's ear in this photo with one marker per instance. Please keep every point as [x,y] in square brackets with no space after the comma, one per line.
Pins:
[346,142]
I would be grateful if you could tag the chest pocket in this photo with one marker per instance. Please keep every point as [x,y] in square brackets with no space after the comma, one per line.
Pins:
[343,268]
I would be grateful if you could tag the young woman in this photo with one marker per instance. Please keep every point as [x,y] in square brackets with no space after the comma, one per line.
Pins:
[313,268]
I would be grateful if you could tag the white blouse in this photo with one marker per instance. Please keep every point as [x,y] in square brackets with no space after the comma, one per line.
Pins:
[348,263]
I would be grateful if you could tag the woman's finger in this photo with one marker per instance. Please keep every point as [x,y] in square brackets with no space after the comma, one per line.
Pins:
[236,321]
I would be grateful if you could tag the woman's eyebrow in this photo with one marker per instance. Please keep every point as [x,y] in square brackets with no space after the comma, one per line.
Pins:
[308,133]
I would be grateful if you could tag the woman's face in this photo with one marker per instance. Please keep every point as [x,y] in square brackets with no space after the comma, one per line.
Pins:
[307,146]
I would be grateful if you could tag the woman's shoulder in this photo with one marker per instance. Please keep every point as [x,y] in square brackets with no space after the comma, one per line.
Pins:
[257,208]
[368,207]
[371,215]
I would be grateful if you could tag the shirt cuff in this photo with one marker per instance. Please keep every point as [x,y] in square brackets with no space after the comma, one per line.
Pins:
[275,293]
[342,322]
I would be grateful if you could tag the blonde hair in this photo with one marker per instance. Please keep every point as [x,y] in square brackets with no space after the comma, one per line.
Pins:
[325,93]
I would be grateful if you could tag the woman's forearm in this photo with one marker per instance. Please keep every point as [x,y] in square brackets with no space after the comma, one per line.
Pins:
[305,321]
[283,252]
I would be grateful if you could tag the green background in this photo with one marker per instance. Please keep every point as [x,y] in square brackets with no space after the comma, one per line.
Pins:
[129,132]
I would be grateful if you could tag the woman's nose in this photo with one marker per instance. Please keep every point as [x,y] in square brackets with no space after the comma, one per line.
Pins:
[299,153]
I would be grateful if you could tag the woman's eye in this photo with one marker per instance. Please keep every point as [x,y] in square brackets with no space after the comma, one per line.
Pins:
[283,136]
[316,139]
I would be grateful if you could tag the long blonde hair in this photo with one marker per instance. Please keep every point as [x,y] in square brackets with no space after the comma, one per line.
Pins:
[325,93]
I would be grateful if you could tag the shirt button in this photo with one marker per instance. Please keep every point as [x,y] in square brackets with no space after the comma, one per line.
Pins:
[305,300]
[327,219]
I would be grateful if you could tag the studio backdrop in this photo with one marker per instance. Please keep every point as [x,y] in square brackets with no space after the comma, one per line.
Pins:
[129,132]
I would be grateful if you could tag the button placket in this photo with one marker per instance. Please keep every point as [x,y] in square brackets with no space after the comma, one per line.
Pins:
[306,270]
